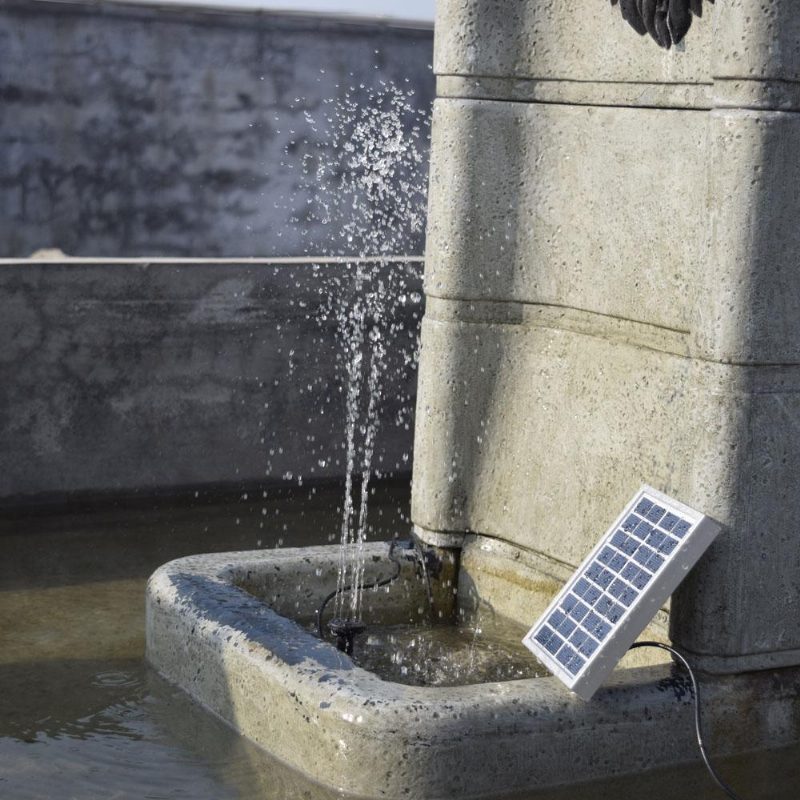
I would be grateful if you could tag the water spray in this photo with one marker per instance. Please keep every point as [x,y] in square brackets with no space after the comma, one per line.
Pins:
[365,179]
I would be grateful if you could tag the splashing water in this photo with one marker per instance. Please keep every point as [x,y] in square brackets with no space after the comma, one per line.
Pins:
[367,179]
[366,176]
[447,655]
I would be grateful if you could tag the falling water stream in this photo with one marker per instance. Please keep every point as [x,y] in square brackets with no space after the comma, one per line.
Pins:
[367,182]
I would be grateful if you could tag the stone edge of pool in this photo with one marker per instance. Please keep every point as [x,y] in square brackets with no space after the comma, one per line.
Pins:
[308,705]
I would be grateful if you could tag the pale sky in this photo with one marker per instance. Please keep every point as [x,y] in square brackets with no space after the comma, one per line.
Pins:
[397,9]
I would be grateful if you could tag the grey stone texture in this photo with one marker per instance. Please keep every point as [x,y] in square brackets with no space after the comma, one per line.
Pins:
[139,130]
[560,40]
[133,375]
[569,194]
[613,297]
[749,289]
[757,41]
[233,631]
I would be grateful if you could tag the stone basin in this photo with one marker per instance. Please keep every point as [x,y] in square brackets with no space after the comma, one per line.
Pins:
[233,630]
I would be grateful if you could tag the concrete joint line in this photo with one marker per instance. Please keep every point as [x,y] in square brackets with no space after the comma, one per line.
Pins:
[755,94]
[620,330]
[575,320]
[674,96]
[728,93]
[453,540]
[746,662]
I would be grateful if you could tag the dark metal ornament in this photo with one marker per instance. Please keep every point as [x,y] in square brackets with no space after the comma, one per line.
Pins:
[667,21]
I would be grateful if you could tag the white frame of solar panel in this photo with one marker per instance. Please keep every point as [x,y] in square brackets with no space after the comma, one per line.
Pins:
[661,583]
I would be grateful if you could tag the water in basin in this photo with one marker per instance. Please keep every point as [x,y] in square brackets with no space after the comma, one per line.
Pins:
[447,655]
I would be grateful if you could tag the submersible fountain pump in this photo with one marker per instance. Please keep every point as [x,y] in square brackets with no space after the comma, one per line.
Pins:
[345,631]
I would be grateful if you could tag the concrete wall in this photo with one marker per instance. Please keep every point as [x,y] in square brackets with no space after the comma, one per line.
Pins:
[614,296]
[134,376]
[136,130]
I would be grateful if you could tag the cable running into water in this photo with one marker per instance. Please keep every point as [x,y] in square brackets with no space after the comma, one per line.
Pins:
[349,587]
[696,696]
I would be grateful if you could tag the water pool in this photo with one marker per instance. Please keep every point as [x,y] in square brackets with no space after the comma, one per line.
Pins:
[82,716]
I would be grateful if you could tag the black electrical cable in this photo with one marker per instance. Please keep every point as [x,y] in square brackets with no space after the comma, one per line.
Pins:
[376,585]
[696,695]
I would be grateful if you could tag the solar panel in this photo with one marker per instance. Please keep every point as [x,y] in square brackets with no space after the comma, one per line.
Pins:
[618,589]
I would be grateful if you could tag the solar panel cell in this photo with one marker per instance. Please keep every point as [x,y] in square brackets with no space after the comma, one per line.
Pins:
[604,578]
[576,664]
[624,543]
[667,546]
[588,647]
[565,654]
[628,596]
[643,506]
[591,621]
[568,603]
[592,571]
[617,563]
[592,595]
[630,572]
[681,528]
[553,643]
[631,522]
[655,513]
[543,637]
[641,579]
[668,523]
[597,627]
[643,554]
[566,628]
[654,562]
[617,588]
[556,618]
[655,539]
[642,530]
[601,631]
[606,554]
[578,638]
[614,614]
[579,612]
[602,605]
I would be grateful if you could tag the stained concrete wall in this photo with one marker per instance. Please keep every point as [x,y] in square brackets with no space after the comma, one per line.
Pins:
[614,298]
[133,376]
[131,130]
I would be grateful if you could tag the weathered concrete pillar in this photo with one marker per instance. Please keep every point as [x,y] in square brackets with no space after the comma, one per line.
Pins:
[614,296]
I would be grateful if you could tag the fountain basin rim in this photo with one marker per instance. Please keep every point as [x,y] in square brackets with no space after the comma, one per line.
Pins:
[309,705]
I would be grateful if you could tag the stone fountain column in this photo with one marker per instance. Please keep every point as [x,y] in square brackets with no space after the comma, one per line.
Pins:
[614,296]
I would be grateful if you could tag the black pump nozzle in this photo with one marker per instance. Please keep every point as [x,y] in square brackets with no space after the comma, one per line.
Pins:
[345,631]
